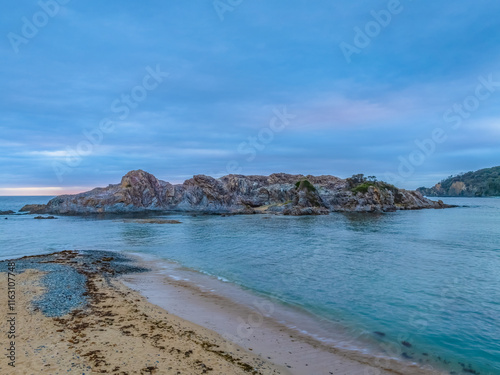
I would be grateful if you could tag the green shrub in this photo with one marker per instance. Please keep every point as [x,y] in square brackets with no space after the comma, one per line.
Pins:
[363,188]
[385,185]
[305,184]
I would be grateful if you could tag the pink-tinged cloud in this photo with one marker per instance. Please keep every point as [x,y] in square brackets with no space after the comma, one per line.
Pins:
[41,191]
[340,112]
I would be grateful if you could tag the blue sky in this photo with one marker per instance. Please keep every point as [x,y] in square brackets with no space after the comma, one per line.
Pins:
[91,90]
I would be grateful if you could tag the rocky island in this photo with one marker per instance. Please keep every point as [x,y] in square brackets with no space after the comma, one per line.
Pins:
[278,193]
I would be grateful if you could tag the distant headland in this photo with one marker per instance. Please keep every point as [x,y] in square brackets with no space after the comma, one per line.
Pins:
[481,183]
[278,193]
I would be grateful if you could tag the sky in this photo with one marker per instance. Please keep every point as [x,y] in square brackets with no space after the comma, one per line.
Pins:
[408,91]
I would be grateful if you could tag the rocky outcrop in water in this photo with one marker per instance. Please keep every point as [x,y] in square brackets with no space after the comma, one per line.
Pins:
[278,193]
[34,208]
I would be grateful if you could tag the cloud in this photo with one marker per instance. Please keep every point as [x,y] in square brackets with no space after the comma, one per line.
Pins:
[50,154]
[40,191]
[226,78]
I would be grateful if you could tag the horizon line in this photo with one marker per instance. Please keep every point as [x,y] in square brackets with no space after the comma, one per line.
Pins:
[40,191]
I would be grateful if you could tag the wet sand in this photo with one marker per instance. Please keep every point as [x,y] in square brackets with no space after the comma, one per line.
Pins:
[120,332]
[173,327]
[255,328]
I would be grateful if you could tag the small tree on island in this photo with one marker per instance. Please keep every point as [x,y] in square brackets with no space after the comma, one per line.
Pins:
[356,179]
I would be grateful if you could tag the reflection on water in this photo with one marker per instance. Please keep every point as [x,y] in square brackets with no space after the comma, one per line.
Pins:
[136,234]
[429,275]
[363,222]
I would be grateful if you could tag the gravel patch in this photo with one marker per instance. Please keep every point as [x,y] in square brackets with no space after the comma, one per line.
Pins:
[66,277]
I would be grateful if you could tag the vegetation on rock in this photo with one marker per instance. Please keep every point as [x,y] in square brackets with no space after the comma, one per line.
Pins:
[278,193]
[360,184]
[305,184]
[481,183]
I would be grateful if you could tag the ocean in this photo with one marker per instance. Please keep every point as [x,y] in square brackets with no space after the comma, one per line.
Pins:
[423,286]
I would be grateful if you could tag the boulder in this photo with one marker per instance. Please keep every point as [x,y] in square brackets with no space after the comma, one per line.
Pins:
[34,208]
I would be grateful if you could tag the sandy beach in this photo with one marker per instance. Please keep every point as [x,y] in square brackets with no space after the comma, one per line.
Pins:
[171,328]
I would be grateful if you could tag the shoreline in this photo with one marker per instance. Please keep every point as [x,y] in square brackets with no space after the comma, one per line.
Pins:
[436,289]
[203,319]
[231,315]
[118,331]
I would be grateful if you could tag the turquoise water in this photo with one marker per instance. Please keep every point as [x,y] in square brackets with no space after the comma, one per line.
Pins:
[430,278]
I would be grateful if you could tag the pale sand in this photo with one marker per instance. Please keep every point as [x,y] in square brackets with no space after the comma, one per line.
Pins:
[268,338]
[124,333]
[121,333]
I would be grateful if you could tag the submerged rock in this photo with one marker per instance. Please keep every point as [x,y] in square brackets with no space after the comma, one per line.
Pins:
[406,343]
[278,193]
[153,221]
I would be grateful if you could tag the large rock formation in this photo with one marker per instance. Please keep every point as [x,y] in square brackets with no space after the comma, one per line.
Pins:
[280,193]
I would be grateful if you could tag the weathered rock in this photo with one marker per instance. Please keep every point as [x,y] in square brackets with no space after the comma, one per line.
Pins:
[8,212]
[45,218]
[278,193]
[34,208]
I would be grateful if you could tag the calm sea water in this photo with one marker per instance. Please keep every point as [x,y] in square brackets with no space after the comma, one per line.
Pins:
[430,278]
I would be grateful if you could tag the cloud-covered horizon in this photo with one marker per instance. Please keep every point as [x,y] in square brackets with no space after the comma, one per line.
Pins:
[92,90]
